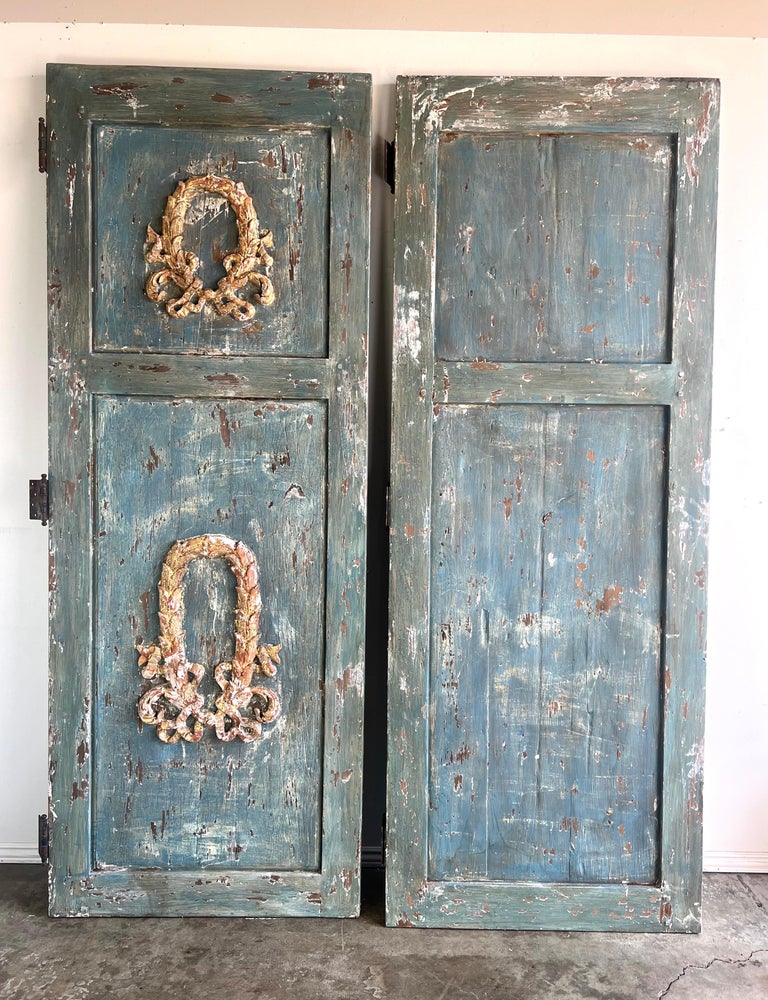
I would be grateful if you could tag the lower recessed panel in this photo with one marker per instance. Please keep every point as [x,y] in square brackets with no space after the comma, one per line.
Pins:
[249,471]
[548,563]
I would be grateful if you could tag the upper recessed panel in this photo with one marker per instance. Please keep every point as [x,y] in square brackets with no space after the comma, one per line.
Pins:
[137,173]
[554,247]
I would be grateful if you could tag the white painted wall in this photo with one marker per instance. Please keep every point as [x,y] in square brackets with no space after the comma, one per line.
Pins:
[736,810]
[745,18]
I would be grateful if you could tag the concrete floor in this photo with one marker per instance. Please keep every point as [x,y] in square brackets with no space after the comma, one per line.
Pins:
[284,959]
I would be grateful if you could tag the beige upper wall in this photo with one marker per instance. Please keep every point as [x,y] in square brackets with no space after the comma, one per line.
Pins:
[719,18]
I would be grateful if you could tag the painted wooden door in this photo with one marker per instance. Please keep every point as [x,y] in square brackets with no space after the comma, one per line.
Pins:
[553,312]
[208,269]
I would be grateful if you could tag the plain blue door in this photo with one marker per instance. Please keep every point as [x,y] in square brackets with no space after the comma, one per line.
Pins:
[553,310]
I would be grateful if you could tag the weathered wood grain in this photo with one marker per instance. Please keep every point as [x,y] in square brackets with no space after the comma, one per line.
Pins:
[546,619]
[285,171]
[518,382]
[409,635]
[539,906]
[347,504]
[584,243]
[161,431]
[227,377]
[688,524]
[218,892]
[555,104]
[549,466]
[252,471]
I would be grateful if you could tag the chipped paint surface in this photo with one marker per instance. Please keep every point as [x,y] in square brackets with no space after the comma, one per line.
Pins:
[250,430]
[548,632]
[69,197]
[533,292]
[272,493]
[125,91]
[407,328]
[285,175]
[694,144]
[549,611]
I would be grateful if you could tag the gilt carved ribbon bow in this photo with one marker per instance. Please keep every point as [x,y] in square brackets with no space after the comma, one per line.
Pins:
[174,703]
[181,266]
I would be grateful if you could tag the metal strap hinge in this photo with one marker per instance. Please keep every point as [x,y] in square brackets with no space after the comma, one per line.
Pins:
[43,835]
[42,146]
[39,500]
[383,840]
[389,164]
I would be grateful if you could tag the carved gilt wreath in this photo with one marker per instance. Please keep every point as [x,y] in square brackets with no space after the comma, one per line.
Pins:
[181,266]
[174,703]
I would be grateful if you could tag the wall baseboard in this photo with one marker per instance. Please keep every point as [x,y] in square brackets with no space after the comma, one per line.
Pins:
[19,854]
[754,862]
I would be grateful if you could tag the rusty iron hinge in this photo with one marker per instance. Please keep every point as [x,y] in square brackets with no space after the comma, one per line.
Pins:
[387,506]
[42,146]
[39,500]
[383,840]
[43,835]
[389,163]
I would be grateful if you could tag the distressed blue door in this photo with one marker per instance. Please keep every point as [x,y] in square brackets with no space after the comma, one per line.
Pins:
[553,310]
[208,324]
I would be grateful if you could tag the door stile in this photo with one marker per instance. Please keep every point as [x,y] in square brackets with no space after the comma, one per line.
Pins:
[688,504]
[70,529]
[347,499]
[410,535]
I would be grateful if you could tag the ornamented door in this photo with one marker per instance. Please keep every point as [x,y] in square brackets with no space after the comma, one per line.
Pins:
[208,268]
[553,314]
